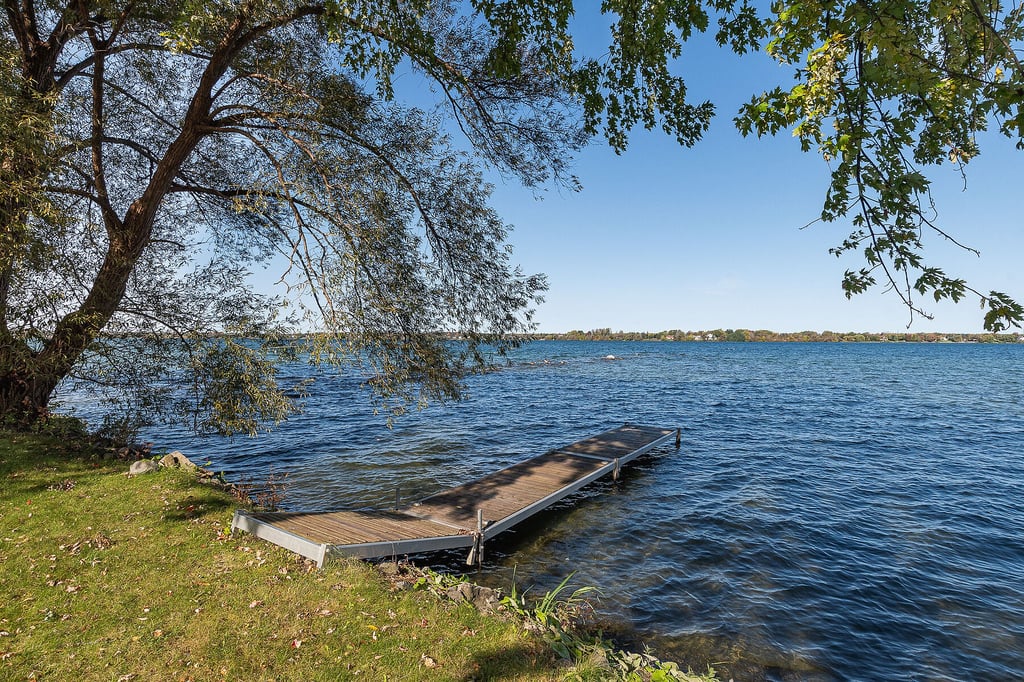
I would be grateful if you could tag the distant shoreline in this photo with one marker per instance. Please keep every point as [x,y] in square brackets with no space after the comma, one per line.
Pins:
[733,335]
[763,335]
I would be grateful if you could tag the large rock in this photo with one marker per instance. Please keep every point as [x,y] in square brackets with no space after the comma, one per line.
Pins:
[176,460]
[484,599]
[143,466]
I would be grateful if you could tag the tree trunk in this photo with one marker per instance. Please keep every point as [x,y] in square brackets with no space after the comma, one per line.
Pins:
[25,385]
[30,374]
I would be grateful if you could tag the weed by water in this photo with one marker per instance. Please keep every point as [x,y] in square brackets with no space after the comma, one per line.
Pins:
[437,583]
[566,624]
[265,496]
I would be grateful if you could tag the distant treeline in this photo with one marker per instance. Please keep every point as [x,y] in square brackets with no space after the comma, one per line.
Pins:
[607,334]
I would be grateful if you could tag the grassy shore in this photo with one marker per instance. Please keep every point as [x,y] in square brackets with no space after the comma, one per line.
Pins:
[104,576]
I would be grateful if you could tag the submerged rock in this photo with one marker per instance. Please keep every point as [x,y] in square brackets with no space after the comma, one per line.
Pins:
[134,451]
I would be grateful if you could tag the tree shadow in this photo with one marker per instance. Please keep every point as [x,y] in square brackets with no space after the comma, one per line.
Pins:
[199,503]
[510,662]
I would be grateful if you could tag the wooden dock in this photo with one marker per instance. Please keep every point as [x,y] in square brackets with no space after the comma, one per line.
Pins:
[464,516]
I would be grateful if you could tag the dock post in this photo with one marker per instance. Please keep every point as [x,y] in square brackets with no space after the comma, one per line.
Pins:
[476,554]
[615,471]
[398,497]
[679,437]
[480,536]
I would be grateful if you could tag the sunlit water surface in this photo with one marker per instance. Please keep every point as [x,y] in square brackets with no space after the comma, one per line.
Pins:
[836,511]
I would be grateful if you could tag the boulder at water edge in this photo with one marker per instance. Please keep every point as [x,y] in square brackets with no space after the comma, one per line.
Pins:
[484,599]
[176,460]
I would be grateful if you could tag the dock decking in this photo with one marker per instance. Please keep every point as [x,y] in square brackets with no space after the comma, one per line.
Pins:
[464,516]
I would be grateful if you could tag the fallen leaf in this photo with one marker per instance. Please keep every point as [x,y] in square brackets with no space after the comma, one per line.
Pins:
[296,643]
[427,661]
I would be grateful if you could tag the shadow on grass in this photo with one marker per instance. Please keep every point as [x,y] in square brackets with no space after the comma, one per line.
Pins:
[23,474]
[199,503]
[509,662]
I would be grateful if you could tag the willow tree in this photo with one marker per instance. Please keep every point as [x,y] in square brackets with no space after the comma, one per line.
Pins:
[154,154]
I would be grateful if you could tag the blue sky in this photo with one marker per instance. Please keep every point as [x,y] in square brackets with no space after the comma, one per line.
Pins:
[664,237]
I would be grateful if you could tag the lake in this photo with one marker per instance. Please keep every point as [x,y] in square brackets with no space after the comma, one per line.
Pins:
[835,512]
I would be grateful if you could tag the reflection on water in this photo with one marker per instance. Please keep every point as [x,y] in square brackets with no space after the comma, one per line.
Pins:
[836,511]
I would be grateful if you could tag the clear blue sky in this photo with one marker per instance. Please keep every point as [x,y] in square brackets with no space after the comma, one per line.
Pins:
[664,237]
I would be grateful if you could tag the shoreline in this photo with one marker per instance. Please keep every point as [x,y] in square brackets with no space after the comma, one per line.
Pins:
[121,576]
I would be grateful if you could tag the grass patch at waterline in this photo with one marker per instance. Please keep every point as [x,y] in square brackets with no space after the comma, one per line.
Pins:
[109,577]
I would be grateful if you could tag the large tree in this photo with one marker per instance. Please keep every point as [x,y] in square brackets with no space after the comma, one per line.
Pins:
[154,153]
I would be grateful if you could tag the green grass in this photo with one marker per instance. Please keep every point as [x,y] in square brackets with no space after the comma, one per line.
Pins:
[109,577]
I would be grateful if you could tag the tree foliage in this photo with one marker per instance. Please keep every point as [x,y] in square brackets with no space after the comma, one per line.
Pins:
[154,154]
[884,90]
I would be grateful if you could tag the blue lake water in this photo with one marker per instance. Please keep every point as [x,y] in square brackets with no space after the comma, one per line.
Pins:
[835,512]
